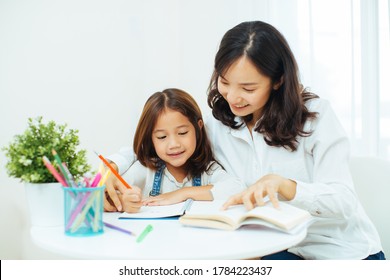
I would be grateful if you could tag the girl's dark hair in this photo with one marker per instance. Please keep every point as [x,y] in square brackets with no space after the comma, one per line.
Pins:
[180,101]
[285,113]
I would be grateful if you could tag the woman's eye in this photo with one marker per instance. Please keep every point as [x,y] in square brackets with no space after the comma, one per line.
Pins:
[249,90]
[160,137]
[224,83]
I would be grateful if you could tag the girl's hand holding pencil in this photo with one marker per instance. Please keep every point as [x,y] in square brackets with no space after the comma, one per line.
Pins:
[127,200]
[114,185]
[131,200]
[114,188]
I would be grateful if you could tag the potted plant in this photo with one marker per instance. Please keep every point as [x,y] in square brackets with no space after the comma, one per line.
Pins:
[25,161]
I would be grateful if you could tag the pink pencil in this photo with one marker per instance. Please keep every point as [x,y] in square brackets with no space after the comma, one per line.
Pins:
[53,171]
[77,210]
[96,181]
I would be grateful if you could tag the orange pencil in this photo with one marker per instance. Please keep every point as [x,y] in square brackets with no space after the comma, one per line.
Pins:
[113,171]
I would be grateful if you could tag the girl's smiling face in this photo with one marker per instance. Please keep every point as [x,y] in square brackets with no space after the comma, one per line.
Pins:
[245,88]
[174,139]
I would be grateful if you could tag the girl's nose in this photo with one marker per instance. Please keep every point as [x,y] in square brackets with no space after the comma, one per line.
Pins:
[173,142]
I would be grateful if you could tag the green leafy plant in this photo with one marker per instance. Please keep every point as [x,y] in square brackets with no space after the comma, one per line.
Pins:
[25,152]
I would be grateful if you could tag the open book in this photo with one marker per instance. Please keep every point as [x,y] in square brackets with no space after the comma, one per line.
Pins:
[208,214]
[156,212]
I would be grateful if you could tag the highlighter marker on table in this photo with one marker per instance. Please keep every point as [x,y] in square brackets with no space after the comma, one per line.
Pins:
[146,231]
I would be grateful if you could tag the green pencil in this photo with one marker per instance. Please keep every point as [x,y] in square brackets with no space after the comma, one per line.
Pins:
[63,171]
[146,231]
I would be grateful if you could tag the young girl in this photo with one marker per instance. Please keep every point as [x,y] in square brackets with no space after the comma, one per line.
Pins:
[285,143]
[174,156]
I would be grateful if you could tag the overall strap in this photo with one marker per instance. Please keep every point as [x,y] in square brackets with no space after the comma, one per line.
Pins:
[197,181]
[157,181]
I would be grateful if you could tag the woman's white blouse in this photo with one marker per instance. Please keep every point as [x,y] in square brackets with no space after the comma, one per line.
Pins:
[319,166]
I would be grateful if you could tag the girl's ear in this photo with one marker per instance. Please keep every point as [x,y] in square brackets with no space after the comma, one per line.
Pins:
[277,85]
[200,123]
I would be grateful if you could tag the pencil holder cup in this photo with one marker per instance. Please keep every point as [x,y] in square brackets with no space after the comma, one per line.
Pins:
[83,210]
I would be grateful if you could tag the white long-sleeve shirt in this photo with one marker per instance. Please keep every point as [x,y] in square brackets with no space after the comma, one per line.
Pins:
[319,166]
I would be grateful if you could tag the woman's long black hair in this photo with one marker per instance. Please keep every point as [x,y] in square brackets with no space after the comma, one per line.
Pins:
[285,113]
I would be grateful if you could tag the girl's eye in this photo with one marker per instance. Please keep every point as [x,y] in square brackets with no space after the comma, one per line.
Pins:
[160,137]
[183,133]
[249,90]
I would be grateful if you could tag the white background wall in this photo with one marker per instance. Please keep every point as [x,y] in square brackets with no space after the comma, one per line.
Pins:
[92,64]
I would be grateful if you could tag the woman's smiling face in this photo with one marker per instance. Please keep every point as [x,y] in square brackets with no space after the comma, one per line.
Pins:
[245,88]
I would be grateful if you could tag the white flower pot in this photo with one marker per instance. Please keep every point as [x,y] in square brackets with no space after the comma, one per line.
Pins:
[45,204]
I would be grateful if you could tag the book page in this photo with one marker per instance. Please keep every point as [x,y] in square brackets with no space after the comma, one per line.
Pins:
[154,212]
[212,210]
[207,213]
[286,217]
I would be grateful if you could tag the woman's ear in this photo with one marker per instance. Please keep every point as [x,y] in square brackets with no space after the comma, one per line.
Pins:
[277,85]
[200,123]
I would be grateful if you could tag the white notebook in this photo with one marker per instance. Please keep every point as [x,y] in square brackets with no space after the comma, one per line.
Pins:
[155,212]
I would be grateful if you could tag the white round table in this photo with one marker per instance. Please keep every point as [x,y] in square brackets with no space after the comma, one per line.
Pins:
[168,240]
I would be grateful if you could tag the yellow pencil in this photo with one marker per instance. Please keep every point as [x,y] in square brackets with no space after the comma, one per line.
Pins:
[105,177]
[82,215]
[99,199]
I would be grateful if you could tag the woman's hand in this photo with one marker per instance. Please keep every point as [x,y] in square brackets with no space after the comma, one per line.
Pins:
[269,185]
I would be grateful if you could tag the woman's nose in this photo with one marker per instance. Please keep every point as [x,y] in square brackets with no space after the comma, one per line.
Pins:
[233,96]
